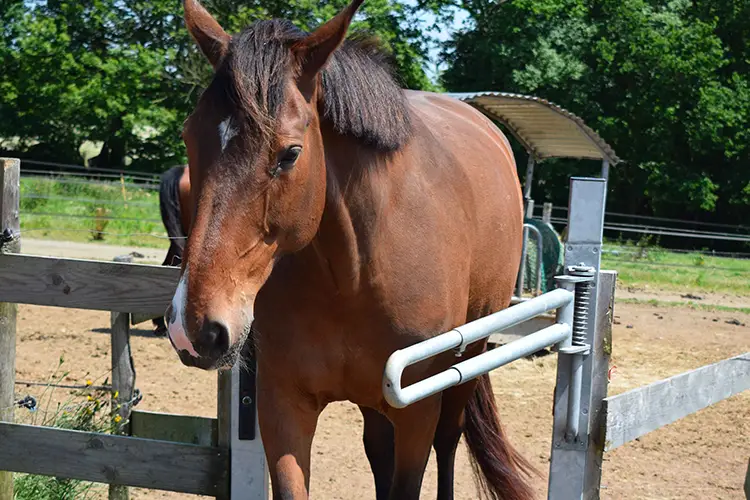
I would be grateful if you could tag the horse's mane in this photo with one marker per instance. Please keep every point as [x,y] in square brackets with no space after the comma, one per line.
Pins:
[360,95]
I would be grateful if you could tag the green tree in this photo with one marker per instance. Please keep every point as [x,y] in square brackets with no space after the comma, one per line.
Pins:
[127,73]
[664,82]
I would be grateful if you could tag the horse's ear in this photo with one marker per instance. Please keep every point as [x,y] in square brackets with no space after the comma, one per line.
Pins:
[211,38]
[314,50]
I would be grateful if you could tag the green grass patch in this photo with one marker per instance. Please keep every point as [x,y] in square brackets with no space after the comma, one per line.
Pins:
[86,409]
[653,266]
[690,305]
[71,209]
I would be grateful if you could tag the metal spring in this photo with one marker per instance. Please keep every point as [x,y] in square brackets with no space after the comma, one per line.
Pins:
[581,313]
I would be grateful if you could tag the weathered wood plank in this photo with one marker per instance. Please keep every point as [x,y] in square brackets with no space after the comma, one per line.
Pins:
[87,284]
[174,428]
[103,458]
[123,383]
[640,411]
[9,199]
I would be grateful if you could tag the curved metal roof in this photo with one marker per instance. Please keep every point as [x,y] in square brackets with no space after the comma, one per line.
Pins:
[545,129]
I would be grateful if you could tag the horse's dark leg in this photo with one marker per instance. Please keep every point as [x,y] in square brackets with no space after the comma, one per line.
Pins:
[449,429]
[414,431]
[378,440]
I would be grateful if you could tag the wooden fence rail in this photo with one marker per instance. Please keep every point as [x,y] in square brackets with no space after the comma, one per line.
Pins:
[117,460]
[634,413]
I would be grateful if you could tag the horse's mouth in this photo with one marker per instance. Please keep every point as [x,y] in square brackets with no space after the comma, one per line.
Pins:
[224,362]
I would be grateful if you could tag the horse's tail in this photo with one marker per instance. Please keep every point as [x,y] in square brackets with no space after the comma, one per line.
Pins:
[169,205]
[500,470]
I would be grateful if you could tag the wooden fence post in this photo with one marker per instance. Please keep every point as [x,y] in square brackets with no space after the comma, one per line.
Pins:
[10,233]
[123,383]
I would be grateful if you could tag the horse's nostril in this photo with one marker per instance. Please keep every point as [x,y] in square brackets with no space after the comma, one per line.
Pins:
[214,338]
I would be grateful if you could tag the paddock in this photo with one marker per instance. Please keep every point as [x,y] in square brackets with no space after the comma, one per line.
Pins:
[86,284]
[670,463]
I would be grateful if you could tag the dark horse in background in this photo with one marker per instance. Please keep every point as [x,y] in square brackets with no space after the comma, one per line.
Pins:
[174,205]
[344,218]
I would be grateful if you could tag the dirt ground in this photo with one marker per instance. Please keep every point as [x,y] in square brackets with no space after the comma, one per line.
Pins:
[704,456]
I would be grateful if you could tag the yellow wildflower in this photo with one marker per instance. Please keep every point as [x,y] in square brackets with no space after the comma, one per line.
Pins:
[89,398]
[118,419]
[117,393]
[89,382]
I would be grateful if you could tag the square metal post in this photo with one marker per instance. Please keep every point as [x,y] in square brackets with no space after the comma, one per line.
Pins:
[570,457]
[238,430]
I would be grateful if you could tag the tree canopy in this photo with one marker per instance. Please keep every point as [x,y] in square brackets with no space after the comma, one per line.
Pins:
[664,82]
[127,73]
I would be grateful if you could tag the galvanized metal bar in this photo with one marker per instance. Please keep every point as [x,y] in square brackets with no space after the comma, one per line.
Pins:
[601,350]
[529,177]
[399,397]
[583,247]
[249,478]
[460,337]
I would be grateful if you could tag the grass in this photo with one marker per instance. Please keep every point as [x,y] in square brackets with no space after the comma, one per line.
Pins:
[692,305]
[655,267]
[65,208]
[86,409]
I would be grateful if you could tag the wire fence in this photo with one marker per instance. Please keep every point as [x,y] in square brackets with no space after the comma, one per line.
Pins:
[97,201]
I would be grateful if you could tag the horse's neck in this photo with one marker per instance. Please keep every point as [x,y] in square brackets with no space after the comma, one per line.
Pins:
[354,193]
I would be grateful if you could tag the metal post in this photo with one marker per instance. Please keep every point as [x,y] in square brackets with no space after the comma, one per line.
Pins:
[529,178]
[571,428]
[605,170]
[529,209]
[547,213]
[11,242]
[238,430]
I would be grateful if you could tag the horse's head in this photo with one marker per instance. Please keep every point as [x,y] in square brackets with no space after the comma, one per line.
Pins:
[257,174]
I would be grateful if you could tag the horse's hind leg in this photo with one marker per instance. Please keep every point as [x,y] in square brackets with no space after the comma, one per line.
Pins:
[448,432]
[378,441]
[414,431]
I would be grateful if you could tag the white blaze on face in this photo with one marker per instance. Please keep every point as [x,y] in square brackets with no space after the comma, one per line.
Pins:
[176,328]
[226,132]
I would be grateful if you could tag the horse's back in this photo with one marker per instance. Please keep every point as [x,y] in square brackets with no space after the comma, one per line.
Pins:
[490,192]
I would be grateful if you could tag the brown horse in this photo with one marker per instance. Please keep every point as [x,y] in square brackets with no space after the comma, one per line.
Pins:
[344,218]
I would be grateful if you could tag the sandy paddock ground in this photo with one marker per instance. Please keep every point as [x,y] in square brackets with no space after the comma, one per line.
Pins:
[704,456]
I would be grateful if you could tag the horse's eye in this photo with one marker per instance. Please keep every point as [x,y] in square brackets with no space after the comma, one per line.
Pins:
[289,157]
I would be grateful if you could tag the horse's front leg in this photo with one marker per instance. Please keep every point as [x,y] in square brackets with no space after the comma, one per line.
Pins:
[287,419]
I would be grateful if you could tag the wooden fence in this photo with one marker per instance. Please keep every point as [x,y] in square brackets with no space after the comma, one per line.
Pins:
[156,450]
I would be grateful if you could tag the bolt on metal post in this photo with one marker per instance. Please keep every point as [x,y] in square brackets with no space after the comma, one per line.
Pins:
[578,279]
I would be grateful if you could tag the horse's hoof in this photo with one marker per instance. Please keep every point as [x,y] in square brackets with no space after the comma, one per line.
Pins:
[160,331]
